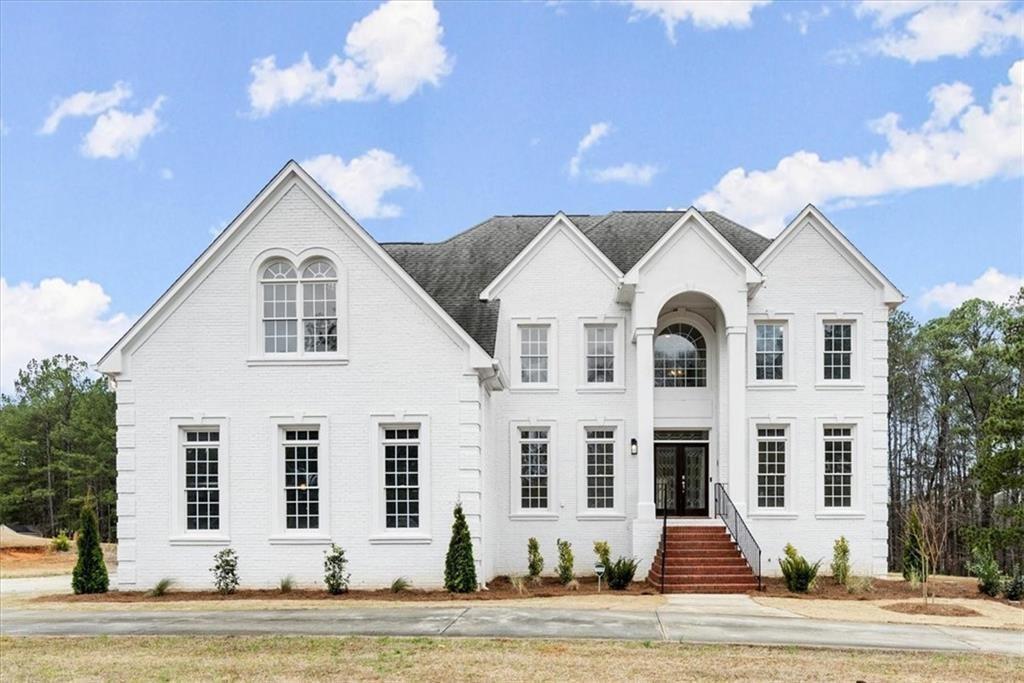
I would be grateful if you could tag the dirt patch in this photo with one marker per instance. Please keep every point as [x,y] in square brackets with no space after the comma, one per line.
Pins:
[956,587]
[932,609]
[498,589]
[43,561]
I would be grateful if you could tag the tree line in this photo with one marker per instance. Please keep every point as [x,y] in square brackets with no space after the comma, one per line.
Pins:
[956,436]
[956,430]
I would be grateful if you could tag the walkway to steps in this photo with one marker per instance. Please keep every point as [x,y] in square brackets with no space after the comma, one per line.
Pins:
[701,559]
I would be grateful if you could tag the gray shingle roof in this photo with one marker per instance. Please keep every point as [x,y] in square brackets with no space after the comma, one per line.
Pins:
[455,271]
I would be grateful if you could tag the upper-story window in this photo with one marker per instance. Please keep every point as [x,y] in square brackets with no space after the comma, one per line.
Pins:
[680,357]
[771,347]
[533,354]
[319,307]
[600,341]
[838,350]
[284,300]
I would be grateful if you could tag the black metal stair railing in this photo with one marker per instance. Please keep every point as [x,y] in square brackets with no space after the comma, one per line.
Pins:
[726,510]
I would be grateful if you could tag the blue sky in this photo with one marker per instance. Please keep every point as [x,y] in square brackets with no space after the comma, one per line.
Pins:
[433,119]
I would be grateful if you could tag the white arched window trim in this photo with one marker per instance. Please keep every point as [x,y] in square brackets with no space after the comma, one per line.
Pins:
[299,298]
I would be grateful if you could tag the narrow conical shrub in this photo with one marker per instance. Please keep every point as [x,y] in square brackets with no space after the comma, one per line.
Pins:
[459,568]
[90,574]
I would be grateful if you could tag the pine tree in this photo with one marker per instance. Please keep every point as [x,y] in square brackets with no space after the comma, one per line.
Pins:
[90,574]
[459,568]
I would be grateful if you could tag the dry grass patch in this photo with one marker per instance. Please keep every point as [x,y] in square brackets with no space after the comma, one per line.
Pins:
[42,561]
[934,609]
[129,658]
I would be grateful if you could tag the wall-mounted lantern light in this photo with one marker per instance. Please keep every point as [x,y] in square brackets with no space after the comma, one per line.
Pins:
[633,448]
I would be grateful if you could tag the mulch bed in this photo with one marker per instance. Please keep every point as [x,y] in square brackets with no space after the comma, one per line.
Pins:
[882,589]
[498,589]
[933,609]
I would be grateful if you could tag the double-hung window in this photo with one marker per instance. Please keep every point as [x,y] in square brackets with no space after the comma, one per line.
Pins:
[769,354]
[533,353]
[401,477]
[838,466]
[301,450]
[300,312]
[771,467]
[201,453]
[533,468]
[600,468]
[600,340]
[838,350]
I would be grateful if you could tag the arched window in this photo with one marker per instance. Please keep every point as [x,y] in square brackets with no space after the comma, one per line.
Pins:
[280,312]
[319,307]
[680,357]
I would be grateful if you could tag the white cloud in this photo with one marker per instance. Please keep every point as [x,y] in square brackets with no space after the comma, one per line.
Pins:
[926,31]
[593,136]
[705,14]
[4,128]
[85,103]
[962,143]
[629,173]
[392,53]
[360,184]
[53,317]
[119,134]
[166,174]
[804,18]
[217,228]
[991,285]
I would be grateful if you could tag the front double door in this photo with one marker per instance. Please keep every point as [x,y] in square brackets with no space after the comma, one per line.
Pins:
[681,479]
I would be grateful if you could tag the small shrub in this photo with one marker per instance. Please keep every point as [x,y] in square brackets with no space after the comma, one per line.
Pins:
[573,585]
[855,585]
[225,571]
[913,567]
[534,562]
[459,567]
[798,572]
[335,577]
[161,587]
[841,561]
[61,543]
[90,573]
[620,573]
[518,583]
[400,585]
[985,567]
[1013,588]
[604,553]
[287,584]
[565,562]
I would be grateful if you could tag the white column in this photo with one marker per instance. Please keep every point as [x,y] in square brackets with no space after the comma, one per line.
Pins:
[736,340]
[645,422]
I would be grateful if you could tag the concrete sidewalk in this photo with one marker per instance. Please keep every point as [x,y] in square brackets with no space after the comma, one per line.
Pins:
[668,623]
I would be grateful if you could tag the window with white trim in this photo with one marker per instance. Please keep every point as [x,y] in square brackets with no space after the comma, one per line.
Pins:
[200,449]
[600,340]
[533,353]
[600,468]
[771,467]
[838,350]
[291,311]
[769,354]
[280,311]
[533,468]
[320,307]
[838,467]
[301,451]
[401,477]
[680,357]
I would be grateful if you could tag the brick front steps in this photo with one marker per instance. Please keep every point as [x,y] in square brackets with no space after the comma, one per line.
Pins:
[701,559]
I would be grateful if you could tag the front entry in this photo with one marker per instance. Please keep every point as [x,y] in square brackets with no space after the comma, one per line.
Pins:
[681,479]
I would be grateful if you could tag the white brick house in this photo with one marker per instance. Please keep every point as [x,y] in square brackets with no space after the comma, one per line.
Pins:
[576,377]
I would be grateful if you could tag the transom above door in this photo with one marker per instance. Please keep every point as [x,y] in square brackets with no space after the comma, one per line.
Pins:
[681,479]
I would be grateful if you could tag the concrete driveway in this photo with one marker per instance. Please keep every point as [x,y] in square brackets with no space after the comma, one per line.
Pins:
[668,623]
